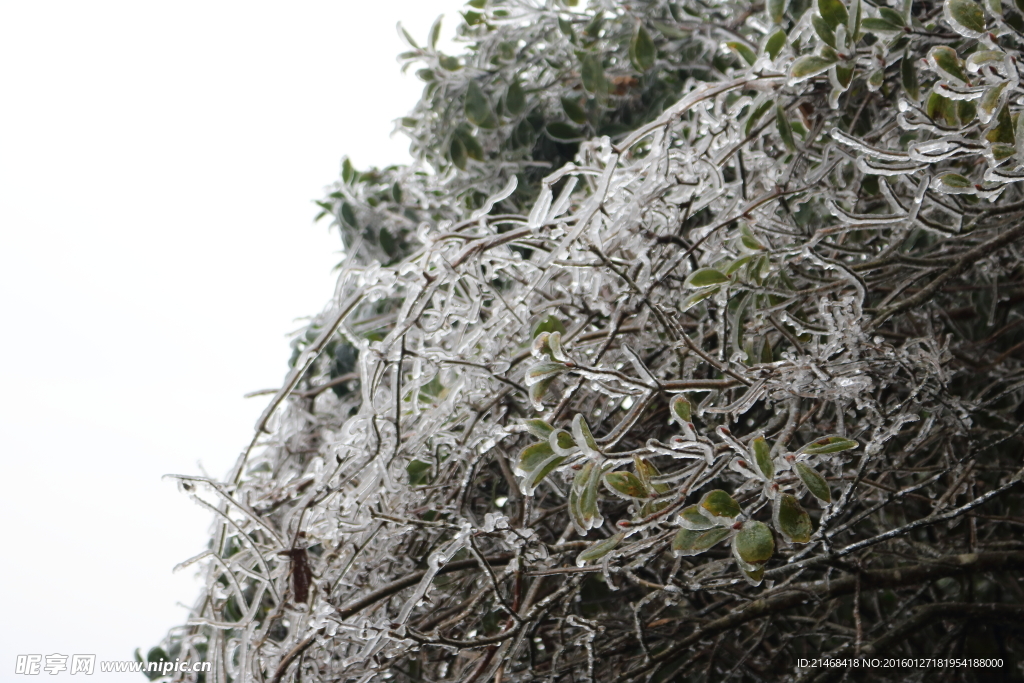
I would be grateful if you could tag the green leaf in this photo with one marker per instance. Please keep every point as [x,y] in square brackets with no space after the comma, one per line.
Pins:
[754,542]
[469,142]
[533,455]
[965,17]
[718,504]
[833,12]
[573,110]
[775,44]
[642,51]
[681,408]
[829,444]
[1002,131]
[743,51]
[348,215]
[543,470]
[592,74]
[880,26]
[599,549]
[419,472]
[478,107]
[791,520]
[763,457]
[706,277]
[698,297]
[814,482]
[821,27]
[955,181]
[626,484]
[691,518]
[582,436]
[809,66]
[947,63]
[690,542]
[776,12]
[853,24]
[515,99]
[435,32]
[542,371]
[560,130]
[756,115]
[562,439]
[892,16]
[785,130]
[754,576]
[908,72]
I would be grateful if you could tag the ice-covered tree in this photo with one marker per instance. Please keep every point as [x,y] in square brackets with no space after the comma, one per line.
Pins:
[690,345]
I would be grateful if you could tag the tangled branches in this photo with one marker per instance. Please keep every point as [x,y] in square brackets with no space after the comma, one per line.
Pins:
[739,384]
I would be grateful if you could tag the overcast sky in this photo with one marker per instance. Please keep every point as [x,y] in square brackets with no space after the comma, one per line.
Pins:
[158,163]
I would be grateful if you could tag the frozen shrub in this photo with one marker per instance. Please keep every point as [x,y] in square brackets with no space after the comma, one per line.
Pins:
[690,346]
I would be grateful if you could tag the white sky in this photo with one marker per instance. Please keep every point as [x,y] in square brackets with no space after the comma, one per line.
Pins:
[158,163]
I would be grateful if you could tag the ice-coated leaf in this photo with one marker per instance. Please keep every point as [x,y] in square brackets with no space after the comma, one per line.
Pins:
[419,472]
[706,277]
[947,63]
[533,455]
[755,575]
[954,183]
[690,517]
[642,50]
[814,482]
[543,469]
[539,428]
[785,130]
[1002,129]
[582,436]
[777,40]
[690,542]
[829,444]
[790,519]
[574,110]
[699,296]
[538,391]
[718,504]
[543,371]
[833,12]
[763,457]
[515,99]
[777,12]
[560,130]
[626,484]
[754,542]
[588,499]
[548,324]
[808,66]
[478,107]
[965,16]
[561,442]
[908,73]
[824,31]
[646,470]
[880,26]
[592,73]
[599,549]
[681,409]
[756,115]
[748,55]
